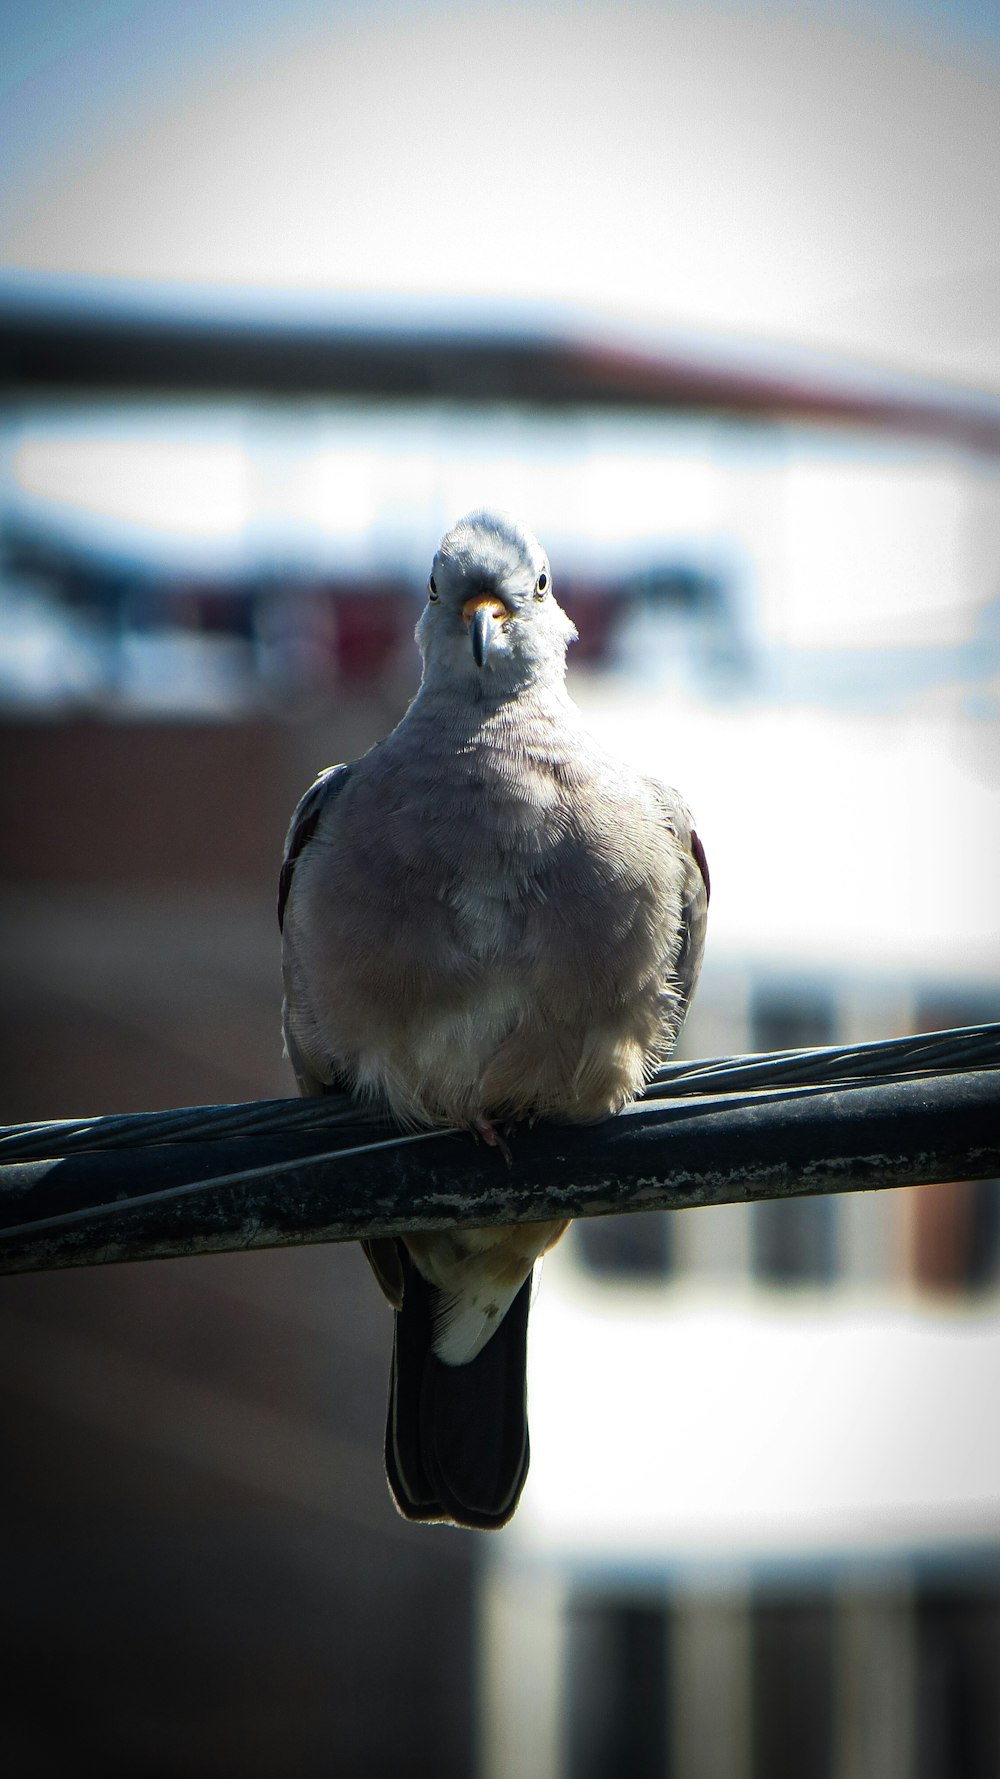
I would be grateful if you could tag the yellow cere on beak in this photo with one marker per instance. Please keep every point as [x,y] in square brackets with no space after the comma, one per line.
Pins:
[490,601]
[482,612]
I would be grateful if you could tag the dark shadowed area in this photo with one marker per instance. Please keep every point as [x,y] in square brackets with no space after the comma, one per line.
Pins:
[203,1572]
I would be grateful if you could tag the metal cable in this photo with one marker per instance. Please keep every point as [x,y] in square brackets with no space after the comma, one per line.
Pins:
[893,1059]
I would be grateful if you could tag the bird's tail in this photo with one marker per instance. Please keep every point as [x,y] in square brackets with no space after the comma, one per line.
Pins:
[456,1438]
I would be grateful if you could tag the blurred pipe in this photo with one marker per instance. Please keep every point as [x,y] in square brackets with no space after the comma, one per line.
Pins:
[258,1191]
[62,339]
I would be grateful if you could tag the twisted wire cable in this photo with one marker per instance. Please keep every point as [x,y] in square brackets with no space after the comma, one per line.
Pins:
[844,1066]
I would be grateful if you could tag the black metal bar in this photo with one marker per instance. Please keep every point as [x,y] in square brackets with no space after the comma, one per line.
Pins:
[108,339]
[175,1198]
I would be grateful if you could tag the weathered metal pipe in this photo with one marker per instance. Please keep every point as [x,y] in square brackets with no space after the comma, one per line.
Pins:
[347,1182]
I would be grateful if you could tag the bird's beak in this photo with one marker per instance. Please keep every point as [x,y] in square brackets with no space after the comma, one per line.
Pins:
[483,613]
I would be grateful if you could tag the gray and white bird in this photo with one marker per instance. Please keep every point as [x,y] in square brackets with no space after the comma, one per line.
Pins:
[486,918]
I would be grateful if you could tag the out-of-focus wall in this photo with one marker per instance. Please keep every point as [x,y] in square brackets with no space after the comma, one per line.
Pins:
[203,1572]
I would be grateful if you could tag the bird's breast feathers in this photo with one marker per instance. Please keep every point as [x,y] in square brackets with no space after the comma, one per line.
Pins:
[493,946]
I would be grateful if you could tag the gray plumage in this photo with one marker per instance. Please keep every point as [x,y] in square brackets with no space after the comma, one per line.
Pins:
[487,918]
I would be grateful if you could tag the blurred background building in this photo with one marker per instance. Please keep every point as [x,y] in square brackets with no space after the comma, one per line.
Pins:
[711,299]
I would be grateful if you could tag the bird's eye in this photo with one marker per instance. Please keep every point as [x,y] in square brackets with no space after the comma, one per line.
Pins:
[541,585]
[432,592]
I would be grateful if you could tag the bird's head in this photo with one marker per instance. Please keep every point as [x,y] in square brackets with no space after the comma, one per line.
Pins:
[491,620]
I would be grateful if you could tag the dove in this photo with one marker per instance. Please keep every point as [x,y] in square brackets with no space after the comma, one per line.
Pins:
[487,919]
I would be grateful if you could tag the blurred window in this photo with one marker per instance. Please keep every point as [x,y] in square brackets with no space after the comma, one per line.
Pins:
[616,1701]
[702,609]
[954,1231]
[639,1246]
[793,1688]
[957,1691]
[794,1240]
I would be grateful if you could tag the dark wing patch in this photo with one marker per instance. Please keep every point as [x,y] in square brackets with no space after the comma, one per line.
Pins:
[702,863]
[694,916]
[304,832]
[303,827]
[694,898]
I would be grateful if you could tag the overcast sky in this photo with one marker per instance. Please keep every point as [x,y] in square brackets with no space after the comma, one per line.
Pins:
[823,175]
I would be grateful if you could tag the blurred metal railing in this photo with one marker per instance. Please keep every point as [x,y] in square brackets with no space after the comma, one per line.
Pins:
[788,1124]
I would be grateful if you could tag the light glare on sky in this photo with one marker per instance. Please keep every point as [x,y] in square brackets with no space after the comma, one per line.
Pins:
[824,175]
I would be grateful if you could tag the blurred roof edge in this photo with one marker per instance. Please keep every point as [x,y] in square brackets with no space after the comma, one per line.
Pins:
[78,335]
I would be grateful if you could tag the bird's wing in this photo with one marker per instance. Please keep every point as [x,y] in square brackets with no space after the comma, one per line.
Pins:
[303,825]
[695,892]
[382,1254]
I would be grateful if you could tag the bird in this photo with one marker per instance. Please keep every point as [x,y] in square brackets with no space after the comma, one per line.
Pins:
[487,919]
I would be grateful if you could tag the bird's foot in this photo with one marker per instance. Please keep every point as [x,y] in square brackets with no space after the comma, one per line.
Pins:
[484,1128]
